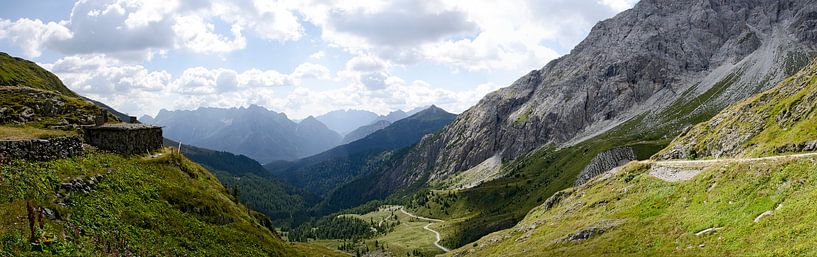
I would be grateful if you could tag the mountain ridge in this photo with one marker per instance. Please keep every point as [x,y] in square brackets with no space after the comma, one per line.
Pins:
[253,131]
[632,68]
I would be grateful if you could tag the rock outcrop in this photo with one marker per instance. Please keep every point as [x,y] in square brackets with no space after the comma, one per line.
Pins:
[604,162]
[638,63]
[21,105]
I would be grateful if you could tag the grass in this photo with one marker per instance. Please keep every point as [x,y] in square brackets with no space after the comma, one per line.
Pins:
[21,133]
[143,206]
[18,72]
[409,237]
[661,218]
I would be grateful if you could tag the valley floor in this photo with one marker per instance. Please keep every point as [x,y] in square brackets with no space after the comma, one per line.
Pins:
[412,235]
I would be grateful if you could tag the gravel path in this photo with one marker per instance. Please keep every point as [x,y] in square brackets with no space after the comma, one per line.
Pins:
[682,170]
[427,227]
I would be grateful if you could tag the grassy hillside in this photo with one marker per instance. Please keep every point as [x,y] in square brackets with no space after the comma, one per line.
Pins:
[782,119]
[257,188]
[17,72]
[34,96]
[633,213]
[143,205]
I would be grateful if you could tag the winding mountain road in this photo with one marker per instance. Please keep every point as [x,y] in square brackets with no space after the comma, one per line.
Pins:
[428,227]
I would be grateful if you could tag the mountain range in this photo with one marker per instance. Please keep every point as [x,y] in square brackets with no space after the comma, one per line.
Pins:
[253,131]
[345,121]
[322,173]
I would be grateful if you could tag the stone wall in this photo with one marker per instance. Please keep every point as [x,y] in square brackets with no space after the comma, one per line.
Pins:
[40,149]
[125,138]
[604,162]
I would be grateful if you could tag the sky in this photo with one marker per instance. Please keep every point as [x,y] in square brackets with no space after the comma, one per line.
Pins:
[300,57]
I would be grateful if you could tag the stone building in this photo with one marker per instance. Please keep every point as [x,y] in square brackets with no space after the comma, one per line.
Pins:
[125,138]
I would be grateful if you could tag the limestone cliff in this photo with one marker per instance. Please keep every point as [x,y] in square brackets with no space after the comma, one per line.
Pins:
[641,63]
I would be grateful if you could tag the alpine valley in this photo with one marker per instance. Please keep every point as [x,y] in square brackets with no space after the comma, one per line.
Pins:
[675,128]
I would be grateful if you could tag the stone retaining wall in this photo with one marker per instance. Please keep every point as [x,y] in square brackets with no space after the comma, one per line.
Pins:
[605,161]
[40,149]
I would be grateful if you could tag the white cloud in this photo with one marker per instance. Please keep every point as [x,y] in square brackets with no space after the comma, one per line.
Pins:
[105,42]
[269,19]
[32,35]
[97,74]
[136,90]
[196,34]
[137,30]
[476,35]
[317,55]
[620,5]
[311,71]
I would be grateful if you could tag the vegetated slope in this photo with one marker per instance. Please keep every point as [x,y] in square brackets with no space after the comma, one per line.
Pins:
[17,72]
[325,171]
[105,204]
[32,95]
[783,119]
[256,187]
[639,64]
[731,208]
[633,213]
[253,131]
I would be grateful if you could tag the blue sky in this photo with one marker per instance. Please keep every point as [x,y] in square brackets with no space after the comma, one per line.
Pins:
[298,57]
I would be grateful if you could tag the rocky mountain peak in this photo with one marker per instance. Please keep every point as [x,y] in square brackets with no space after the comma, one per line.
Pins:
[636,64]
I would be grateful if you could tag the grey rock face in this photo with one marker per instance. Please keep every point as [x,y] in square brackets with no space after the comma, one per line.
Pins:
[639,62]
[604,162]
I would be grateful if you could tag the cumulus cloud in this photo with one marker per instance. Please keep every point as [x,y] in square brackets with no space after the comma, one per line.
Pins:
[402,23]
[137,90]
[108,44]
[97,75]
[33,35]
[137,30]
[475,35]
